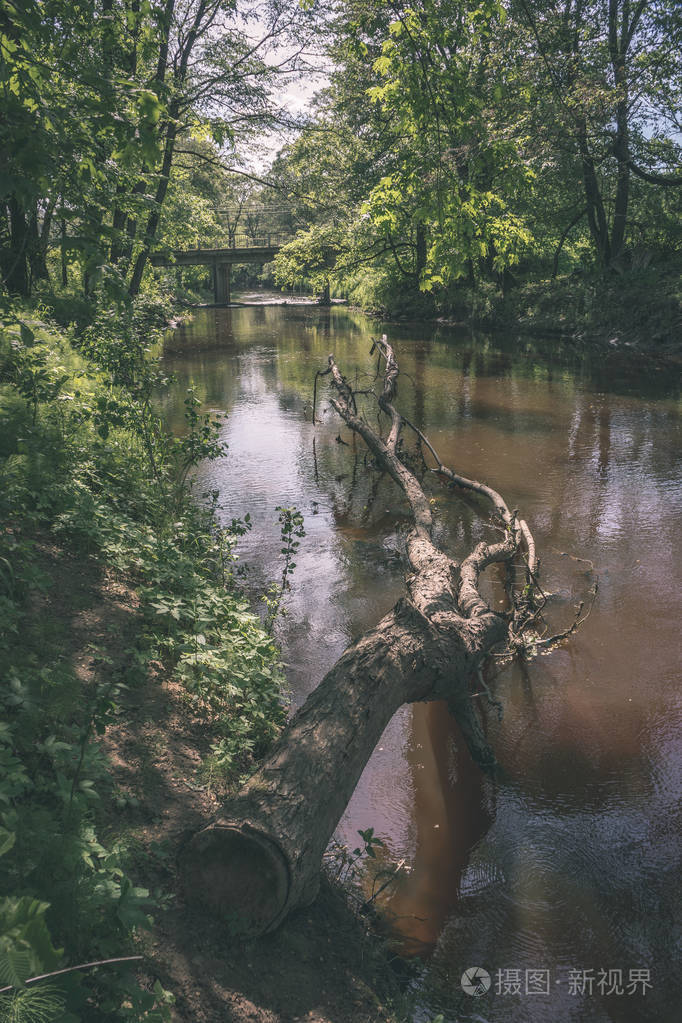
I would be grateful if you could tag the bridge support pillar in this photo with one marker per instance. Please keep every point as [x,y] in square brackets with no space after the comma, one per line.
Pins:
[221,283]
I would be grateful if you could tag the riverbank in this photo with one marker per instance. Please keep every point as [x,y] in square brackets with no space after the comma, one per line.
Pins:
[323,965]
[139,688]
[639,310]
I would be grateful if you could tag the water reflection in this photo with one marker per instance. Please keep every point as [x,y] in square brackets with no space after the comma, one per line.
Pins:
[449,814]
[572,861]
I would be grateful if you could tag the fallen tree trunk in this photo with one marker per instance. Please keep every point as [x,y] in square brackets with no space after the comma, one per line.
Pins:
[262,858]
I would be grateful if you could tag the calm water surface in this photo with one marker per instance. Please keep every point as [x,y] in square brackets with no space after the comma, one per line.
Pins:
[571,863]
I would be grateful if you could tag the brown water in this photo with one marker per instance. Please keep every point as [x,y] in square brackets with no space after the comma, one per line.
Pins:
[570,863]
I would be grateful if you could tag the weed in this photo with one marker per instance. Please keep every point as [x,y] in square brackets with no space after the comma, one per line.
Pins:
[291,532]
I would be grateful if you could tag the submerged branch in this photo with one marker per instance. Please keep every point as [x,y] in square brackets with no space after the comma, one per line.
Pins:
[580,618]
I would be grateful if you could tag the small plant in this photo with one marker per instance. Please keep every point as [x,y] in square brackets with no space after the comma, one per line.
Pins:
[291,532]
[42,1003]
[346,862]
[200,441]
[370,843]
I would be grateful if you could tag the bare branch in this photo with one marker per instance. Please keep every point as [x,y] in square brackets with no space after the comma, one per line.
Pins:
[72,969]
[578,621]
[668,181]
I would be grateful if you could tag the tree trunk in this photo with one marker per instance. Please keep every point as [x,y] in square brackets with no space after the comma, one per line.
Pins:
[596,214]
[420,264]
[38,243]
[171,133]
[262,858]
[62,246]
[15,269]
[155,215]
[118,223]
[564,235]
[618,47]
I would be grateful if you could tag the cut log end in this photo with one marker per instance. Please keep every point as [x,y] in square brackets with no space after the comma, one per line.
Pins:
[237,874]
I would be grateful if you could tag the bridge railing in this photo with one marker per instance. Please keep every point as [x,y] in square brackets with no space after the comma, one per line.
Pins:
[246,240]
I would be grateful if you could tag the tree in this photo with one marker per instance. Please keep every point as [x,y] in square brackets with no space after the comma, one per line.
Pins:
[42,124]
[262,858]
[458,141]
[100,96]
[337,160]
[211,69]
[608,73]
[439,195]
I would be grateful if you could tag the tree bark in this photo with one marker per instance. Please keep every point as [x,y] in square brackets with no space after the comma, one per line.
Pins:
[262,858]
[420,264]
[155,215]
[62,249]
[15,261]
[564,235]
[618,47]
[39,238]
[596,213]
[118,224]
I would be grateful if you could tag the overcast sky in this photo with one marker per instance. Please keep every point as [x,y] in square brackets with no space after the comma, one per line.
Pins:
[294,96]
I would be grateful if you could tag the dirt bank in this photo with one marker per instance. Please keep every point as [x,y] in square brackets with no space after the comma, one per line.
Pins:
[323,966]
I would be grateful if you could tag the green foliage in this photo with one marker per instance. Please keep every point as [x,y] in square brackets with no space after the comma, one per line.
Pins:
[291,532]
[201,439]
[194,621]
[460,147]
[346,864]
[87,468]
[40,1003]
[140,1005]
[25,945]
[370,841]
[308,258]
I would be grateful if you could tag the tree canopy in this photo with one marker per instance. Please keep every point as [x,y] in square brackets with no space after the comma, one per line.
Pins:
[114,107]
[459,140]
[455,142]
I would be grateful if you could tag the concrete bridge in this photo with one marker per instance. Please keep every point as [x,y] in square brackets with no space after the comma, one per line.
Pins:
[248,233]
[221,260]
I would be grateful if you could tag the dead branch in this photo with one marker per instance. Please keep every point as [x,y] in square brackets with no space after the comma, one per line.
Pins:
[579,619]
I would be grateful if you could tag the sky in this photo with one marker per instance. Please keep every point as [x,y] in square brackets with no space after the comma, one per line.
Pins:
[294,96]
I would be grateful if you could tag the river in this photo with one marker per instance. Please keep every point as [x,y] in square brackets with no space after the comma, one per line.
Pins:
[560,879]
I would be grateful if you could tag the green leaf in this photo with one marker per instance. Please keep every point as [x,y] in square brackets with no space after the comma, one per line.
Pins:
[25,945]
[7,840]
